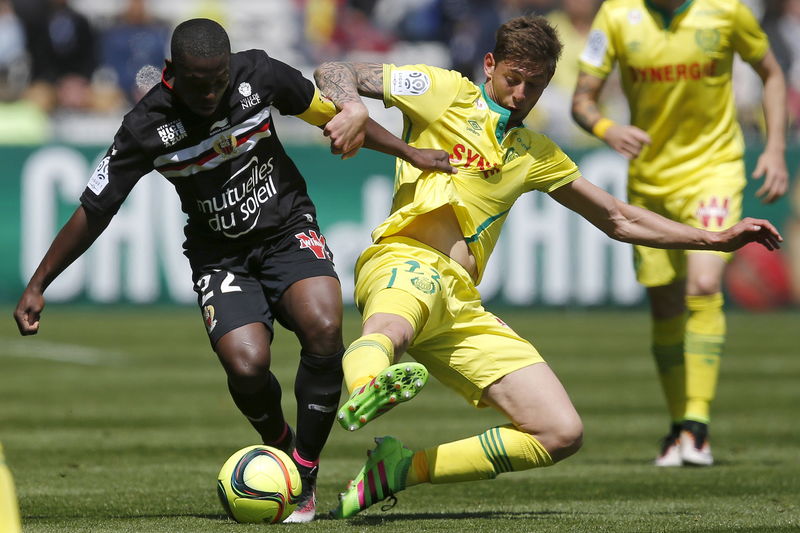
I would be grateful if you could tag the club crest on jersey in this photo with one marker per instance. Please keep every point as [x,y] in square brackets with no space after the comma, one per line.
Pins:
[245,89]
[208,317]
[714,211]
[424,285]
[225,145]
[707,39]
[315,243]
[635,16]
[172,132]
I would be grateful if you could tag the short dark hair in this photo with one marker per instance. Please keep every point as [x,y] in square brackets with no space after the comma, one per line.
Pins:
[199,38]
[528,39]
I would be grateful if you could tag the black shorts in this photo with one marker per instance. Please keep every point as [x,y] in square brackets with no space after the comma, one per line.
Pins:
[244,287]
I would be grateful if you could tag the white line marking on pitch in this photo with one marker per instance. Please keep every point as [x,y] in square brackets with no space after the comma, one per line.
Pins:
[60,352]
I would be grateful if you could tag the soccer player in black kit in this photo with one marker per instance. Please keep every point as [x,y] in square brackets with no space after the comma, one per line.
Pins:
[252,239]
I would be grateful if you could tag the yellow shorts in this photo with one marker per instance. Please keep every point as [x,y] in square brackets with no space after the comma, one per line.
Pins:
[461,344]
[713,202]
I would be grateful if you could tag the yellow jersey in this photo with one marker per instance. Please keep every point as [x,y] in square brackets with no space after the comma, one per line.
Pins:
[443,110]
[676,73]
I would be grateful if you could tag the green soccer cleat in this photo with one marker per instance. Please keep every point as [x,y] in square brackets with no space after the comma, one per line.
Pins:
[394,385]
[383,475]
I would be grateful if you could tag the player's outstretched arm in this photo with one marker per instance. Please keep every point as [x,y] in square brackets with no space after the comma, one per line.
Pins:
[626,139]
[343,84]
[635,225]
[75,237]
[771,165]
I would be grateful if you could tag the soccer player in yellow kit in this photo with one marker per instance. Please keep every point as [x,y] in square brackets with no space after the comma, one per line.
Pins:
[9,510]
[416,285]
[686,147]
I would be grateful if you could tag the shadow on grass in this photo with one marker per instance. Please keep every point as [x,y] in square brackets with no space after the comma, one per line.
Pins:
[486,515]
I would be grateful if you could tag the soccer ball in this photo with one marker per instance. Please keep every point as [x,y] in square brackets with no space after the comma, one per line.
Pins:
[259,484]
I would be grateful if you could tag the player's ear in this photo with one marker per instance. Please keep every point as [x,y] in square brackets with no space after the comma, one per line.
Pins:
[489,65]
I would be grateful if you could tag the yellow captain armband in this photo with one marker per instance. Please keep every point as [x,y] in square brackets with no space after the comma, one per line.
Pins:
[601,127]
[320,110]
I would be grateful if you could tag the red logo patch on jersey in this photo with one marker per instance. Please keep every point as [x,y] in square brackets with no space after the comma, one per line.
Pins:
[315,243]
[715,210]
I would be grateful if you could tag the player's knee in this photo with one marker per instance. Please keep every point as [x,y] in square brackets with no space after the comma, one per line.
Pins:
[247,367]
[562,438]
[704,284]
[322,334]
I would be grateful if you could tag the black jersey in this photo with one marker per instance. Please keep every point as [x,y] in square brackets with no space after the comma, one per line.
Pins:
[234,179]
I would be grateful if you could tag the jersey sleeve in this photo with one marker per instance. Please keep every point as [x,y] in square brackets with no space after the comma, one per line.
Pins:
[115,176]
[599,55]
[551,167]
[749,40]
[297,95]
[420,92]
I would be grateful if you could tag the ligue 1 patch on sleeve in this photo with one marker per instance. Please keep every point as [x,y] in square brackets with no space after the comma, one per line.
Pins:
[596,46]
[409,83]
[99,178]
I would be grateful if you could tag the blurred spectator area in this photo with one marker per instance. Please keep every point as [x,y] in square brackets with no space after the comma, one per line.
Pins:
[75,76]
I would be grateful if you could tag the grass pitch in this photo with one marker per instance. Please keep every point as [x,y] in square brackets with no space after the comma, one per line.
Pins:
[118,420]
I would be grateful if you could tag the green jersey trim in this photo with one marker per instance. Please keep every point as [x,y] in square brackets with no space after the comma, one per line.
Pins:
[666,15]
[504,113]
[485,224]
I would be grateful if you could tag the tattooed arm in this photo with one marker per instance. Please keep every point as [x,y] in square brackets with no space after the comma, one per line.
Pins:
[628,140]
[342,83]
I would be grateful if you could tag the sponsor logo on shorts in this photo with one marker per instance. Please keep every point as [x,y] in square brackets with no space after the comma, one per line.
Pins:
[315,243]
[208,317]
[172,132]
[715,210]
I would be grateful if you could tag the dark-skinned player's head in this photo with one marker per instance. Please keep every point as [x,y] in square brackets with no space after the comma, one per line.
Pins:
[201,52]
[522,63]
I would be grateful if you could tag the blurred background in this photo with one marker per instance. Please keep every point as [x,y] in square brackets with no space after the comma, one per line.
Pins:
[68,74]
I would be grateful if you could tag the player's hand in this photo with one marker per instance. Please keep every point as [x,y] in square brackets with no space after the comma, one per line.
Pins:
[627,140]
[771,166]
[747,231]
[433,160]
[28,311]
[347,129]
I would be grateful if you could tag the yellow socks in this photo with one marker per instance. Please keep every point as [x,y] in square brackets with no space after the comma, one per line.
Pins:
[667,349]
[9,511]
[705,335]
[497,450]
[365,358]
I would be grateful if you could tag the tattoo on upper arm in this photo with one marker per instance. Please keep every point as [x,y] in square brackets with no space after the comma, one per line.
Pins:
[343,82]
[370,79]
